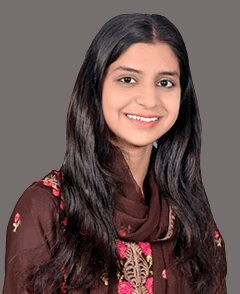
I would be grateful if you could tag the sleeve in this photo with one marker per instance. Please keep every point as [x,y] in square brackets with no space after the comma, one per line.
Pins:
[221,261]
[29,236]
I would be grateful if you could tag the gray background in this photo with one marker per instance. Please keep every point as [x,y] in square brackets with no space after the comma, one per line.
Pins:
[42,47]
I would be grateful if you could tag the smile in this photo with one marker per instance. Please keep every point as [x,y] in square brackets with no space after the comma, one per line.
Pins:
[141,118]
[142,121]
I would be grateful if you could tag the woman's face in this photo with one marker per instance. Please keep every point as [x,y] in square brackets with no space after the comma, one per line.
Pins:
[141,94]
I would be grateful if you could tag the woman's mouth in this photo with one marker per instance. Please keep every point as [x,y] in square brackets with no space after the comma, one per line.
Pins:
[143,120]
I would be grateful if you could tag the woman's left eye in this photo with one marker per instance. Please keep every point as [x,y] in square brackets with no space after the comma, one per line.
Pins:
[166,83]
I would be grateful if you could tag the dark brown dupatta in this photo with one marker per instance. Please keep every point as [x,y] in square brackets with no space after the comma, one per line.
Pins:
[146,220]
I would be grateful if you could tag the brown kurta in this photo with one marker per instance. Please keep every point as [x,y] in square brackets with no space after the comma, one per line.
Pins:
[144,236]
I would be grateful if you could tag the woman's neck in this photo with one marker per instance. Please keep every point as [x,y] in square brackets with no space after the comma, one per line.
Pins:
[138,161]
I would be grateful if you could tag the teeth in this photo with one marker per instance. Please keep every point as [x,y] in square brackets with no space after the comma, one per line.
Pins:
[147,119]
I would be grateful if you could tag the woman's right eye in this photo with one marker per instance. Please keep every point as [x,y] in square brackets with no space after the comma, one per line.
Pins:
[127,80]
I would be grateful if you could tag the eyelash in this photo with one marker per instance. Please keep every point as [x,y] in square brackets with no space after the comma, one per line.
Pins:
[172,83]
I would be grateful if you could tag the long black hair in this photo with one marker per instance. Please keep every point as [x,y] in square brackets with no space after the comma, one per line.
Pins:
[88,248]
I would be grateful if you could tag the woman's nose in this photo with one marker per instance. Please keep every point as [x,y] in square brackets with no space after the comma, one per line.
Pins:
[148,96]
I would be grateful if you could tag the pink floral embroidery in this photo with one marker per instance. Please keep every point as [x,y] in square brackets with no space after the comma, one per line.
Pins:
[145,247]
[51,180]
[164,274]
[63,288]
[56,192]
[149,285]
[122,233]
[121,248]
[125,288]
[217,238]
[17,217]
[46,183]
[63,285]
[65,221]
[61,205]
[216,234]
[17,221]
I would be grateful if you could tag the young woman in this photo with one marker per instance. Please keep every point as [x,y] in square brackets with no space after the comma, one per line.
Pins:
[127,211]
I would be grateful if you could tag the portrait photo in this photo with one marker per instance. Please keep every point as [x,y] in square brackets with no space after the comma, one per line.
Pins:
[119,147]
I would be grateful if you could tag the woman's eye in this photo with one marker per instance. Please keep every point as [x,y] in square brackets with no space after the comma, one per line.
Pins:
[166,83]
[127,80]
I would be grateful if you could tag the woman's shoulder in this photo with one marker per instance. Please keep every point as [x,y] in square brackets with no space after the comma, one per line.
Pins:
[45,189]
[33,229]
[50,183]
[41,201]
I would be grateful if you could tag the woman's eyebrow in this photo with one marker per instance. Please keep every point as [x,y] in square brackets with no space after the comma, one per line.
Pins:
[130,69]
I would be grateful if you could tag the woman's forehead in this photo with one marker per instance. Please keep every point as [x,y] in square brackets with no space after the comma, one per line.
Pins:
[141,57]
